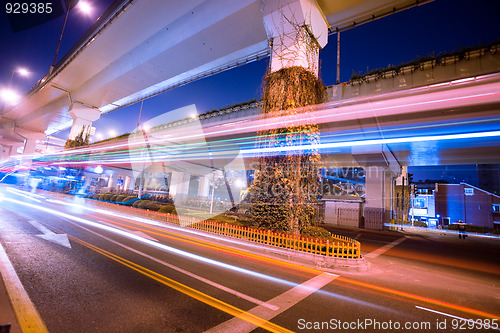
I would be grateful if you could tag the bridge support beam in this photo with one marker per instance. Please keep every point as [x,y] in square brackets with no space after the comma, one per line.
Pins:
[381,168]
[31,139]
[179,184]
[82,116]
[204,186]
[297,30]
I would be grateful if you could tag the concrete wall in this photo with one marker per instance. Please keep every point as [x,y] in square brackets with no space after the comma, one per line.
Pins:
[341,213]
[465,202]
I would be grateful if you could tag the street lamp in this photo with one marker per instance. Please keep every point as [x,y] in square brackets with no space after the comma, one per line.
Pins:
[86,9]
[21,71]
[10,96]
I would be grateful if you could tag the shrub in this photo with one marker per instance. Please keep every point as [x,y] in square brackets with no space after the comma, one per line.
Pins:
[167,209]
[108,196]
[113,197]
[152,206]
[143,204]
[120,197]
[315,232]
[137,203]
[128,199]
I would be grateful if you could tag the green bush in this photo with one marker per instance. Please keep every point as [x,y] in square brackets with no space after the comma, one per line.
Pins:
[315,232]
[152,206]
[167,209]
[113,197]
[137,203]
[96,196]
[128,198]
[120,198]
[143,204]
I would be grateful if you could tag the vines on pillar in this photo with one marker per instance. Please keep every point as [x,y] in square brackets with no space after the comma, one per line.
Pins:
[82,139]
[286,188]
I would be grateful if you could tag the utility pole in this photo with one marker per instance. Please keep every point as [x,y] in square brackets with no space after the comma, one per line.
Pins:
[338,56]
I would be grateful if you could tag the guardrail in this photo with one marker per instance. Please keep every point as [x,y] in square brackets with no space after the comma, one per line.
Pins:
[341,247]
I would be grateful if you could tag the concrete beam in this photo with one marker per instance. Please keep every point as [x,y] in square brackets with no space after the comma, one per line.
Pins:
[298,30]
[82,116]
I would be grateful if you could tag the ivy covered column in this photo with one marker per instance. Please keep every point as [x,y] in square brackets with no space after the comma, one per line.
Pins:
[286,183]
[82,116]
[297,30]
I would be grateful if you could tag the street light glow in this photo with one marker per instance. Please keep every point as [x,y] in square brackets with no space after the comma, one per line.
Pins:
[9,96]
[23,72]
[85,7]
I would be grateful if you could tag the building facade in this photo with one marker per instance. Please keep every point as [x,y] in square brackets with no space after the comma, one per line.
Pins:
[450,203]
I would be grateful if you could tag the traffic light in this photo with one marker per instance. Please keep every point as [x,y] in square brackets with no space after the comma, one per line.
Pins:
[410,178]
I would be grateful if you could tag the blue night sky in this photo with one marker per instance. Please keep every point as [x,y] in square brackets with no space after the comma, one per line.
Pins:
[434,28]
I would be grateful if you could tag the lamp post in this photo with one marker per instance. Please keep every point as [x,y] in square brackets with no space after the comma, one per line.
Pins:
[21,71]
[85,7]
[8,95]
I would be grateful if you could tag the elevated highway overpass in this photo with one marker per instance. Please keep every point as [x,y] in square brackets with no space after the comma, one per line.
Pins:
[445,123]
[139,49]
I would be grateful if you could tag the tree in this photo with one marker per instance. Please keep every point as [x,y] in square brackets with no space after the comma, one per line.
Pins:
[82,139]
[286,185]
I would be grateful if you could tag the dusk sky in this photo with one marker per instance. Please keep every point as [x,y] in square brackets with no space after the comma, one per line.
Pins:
[434,28]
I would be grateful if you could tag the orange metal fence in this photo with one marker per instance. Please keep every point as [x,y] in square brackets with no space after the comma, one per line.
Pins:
[340,247]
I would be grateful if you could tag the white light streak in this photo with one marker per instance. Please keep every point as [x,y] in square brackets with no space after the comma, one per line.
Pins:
[153,243]
[443,137]
[461,318]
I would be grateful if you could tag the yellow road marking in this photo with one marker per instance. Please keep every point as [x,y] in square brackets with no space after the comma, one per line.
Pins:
[405,295]
[209,300]
[27,315]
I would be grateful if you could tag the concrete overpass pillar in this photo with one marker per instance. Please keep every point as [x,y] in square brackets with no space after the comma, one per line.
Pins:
[82,116]
[5,152]
[31,139]
[204,186]
[378,194]
[126,184]
[381,168]
[110,181]
[297,30]
[179,184]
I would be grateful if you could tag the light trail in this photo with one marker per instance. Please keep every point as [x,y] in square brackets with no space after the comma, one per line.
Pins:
[468,321]
[153,243]
[419,298]
[22,193]
[382,290]
[198,295]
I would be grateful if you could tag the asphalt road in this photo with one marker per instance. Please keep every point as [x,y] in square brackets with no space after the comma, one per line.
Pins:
[118,273]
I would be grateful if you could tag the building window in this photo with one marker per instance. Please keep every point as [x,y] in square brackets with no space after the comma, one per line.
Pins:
[469,191]
[496,208]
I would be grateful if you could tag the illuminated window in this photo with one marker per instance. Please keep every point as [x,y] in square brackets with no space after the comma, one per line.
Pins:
[469,191]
